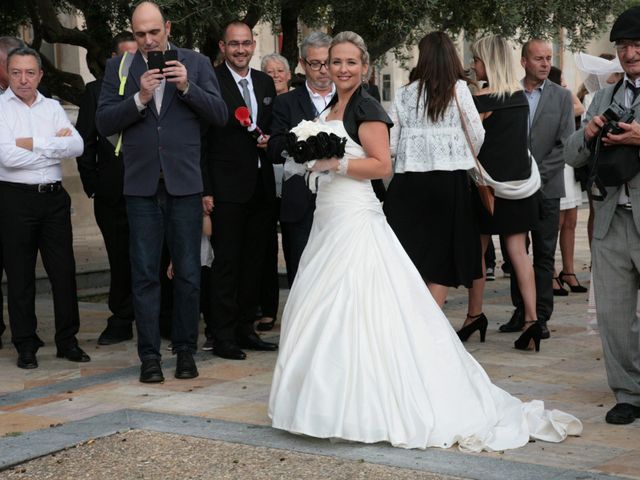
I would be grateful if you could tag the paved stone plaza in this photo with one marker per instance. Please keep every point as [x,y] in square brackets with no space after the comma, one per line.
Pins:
[223,412]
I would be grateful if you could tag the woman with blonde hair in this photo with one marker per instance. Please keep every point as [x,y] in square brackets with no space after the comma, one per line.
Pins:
[512,172]
[365,352]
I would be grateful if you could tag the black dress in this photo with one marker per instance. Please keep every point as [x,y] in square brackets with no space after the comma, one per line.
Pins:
[504,155]
[432,215]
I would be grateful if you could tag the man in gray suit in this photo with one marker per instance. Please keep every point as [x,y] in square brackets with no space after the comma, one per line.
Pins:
[615,248]
[550,124]
[161,115]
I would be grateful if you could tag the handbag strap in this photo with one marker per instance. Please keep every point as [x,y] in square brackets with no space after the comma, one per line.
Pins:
[468,137]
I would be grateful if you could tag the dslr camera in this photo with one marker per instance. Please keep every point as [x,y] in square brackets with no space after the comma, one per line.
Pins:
[616,114]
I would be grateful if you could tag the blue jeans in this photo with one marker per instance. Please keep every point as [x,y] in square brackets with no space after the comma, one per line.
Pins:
[179,219]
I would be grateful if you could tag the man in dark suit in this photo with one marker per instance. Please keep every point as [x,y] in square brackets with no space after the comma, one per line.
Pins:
[289,109]
[6,45]
[161,115]
[550,125]
[101,172]
[240,189]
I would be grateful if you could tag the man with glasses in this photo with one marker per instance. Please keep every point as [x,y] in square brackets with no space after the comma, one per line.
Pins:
[240,191]
[289,109]
[615,248]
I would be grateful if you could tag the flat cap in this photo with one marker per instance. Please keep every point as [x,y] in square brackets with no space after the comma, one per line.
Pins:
[626,26]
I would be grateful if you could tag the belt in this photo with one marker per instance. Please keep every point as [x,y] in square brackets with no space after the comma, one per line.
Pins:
[625,206]
[38,188]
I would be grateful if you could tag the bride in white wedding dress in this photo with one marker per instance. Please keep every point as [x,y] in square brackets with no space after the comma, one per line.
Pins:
[366,354]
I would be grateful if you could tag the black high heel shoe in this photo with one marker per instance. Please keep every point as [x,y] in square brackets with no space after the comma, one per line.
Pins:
[479,322]
[574,288]
[559,292]
[533,332]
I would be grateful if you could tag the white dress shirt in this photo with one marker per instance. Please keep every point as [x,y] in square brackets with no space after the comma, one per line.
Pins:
[158,93]
[421,145]
[40,121]
[252,93]
[320,102]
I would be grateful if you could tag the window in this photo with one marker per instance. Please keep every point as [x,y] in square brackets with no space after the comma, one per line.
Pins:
[386,87]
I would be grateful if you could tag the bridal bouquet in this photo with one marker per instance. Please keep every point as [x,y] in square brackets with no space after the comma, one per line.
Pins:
[310,141]
[307,143]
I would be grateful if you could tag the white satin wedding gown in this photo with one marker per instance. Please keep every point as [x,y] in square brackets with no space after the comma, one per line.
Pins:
[367,355]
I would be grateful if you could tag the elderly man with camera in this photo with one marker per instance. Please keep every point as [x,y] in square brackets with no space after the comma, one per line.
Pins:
[610,143]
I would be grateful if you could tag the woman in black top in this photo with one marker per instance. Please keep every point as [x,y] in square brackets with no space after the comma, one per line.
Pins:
[504,155]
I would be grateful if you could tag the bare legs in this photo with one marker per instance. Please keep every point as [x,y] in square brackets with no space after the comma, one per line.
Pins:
[438,292]
[523,269]
[476,292]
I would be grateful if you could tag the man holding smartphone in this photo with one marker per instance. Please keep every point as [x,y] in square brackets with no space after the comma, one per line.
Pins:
[159,115]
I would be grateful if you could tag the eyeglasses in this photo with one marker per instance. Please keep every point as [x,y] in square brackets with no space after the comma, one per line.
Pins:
[235,44]
[316,65]
[621,47]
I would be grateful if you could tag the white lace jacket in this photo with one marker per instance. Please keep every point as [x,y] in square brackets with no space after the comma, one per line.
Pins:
[419,145]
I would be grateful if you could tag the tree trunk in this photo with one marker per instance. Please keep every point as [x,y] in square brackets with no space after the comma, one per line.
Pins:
[290,10]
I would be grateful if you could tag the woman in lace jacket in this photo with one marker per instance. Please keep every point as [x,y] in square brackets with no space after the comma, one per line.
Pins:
[428,202]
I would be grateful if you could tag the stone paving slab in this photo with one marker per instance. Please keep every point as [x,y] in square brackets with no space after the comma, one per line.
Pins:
[432,462]
[567,374]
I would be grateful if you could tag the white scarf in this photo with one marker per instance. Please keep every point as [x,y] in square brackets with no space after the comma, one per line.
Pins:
[512,189]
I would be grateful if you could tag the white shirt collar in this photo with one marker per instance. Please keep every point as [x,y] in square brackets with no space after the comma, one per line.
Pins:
[237,77]
[328,96]
[635,82]
[8,95]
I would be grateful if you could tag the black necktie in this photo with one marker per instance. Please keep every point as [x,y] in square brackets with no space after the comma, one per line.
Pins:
[635,90]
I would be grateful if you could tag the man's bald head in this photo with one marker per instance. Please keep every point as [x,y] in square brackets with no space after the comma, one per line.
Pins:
[150,29]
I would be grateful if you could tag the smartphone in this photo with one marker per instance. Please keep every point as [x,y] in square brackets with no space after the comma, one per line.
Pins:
[170,55]
[155,60]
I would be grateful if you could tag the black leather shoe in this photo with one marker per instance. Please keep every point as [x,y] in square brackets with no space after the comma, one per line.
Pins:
[151,372]
[27,359]
[265,326]
[515,324]
[253,342]
[115,334]
[186,366]
[544,329]
[622,414]
[228,350]
[74,354]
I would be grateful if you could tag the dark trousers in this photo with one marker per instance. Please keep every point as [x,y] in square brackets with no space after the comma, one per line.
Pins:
[240,237]
[205,301]
[33,222]
[269,285]
[113,223]
[3,327]
[294,239]
[150,220]
[543,243]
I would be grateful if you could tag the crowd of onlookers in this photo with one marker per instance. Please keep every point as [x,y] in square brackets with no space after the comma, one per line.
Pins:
[189,198]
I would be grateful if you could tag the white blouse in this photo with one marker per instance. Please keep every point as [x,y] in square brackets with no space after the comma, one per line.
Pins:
[420,145]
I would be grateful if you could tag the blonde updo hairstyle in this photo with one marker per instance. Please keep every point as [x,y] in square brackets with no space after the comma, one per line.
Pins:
[354,39]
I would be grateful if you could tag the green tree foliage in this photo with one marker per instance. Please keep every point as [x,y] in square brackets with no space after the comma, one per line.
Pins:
[384,24]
